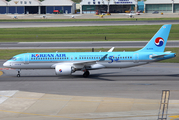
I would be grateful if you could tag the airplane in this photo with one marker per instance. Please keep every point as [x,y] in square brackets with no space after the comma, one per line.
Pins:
[43,16]
[131,15]
[66,63]
[72,16]
[15,16]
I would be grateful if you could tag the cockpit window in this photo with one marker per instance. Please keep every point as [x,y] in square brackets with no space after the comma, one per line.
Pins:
[14,58]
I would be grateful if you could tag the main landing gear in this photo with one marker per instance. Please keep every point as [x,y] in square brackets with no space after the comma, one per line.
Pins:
[86,73]
[18,75]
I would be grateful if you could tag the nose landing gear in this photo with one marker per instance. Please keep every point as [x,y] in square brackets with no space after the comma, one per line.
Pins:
[18,75]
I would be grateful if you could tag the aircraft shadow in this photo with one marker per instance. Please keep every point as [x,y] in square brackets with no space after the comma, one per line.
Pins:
[93,77]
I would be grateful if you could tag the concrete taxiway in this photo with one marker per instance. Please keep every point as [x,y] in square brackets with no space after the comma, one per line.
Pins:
[83,23]
[130,94]
[72,45]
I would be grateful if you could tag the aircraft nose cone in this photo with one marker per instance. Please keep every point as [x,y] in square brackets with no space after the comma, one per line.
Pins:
[6,64]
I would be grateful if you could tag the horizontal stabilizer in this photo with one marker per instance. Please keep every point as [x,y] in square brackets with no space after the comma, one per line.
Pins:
[111,49]
[161,56]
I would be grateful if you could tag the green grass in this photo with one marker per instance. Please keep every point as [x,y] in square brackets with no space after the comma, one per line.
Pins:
[77,1]
[7,54]
[93,33]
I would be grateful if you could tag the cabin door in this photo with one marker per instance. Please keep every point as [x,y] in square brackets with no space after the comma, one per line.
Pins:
[136,57]
[26,59]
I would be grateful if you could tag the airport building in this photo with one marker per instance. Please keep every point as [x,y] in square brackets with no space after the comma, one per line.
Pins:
[36,7]
[65,6]
[3,7]
[115,6]
[165,6]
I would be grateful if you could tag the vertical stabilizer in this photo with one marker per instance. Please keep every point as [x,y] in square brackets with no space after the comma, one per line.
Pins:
[158,41]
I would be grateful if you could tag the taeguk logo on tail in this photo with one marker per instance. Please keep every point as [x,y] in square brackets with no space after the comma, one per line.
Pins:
[60,70]
[159,41]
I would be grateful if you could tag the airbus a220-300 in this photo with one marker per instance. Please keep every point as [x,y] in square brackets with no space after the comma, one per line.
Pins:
[67,63]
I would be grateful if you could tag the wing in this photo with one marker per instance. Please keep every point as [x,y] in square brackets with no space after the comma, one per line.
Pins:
[81,65]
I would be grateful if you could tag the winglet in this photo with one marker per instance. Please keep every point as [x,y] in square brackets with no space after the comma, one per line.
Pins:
[111,49]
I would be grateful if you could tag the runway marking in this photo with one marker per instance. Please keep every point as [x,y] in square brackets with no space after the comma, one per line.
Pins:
[174,117]
[1,73]
[43,115]
[93,101]
[146,116]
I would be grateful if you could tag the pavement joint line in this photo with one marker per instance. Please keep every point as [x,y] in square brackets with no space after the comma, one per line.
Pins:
[99,104]
[133,102]
[33,114]
[63,106]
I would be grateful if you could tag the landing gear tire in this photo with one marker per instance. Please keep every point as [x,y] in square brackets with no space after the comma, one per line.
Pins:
[18,75]
[86,74]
